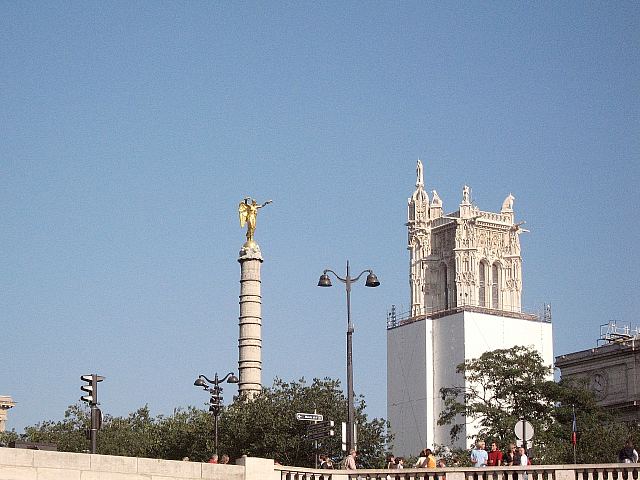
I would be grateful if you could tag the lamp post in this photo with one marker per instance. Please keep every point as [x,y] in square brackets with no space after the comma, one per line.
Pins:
[372,281]
[215,402]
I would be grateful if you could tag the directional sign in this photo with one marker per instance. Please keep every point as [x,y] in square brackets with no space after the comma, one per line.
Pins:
[321,434]
[309,417]
[320,426]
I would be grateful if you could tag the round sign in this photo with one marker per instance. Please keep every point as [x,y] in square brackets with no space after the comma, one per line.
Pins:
[523,430]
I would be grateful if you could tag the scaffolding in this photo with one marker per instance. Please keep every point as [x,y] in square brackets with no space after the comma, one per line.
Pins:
[612,332]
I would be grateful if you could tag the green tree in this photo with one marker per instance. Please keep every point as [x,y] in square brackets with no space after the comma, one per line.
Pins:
[7,437]
[68,434]
[267,427]
[139,434]
[502,386]
[505,385]
[600,435]
[186,433]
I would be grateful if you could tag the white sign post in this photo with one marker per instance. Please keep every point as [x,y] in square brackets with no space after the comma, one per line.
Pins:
[344,437]
[523,431]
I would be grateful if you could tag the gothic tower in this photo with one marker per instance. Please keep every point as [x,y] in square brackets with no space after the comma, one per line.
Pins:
[465,284]
[467,258]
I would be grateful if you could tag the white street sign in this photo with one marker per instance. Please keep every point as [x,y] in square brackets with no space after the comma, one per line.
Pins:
[309,417]
[523,430]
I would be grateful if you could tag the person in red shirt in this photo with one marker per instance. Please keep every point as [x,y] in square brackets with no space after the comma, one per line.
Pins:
[495,456]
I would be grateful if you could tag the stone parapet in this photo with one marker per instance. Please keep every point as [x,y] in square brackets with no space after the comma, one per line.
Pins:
[22,464]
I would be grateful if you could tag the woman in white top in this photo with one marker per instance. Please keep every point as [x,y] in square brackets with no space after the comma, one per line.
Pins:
[422,458]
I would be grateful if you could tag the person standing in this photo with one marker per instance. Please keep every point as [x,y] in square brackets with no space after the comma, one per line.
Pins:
[214,458]
[523,459]
[495,456]
[628,454]
[479,455]
[350,461]
[510,456]
[391,462]
[422,459]
[430,462]
[441,464]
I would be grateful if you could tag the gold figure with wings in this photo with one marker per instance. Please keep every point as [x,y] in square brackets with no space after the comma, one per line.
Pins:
[248,214]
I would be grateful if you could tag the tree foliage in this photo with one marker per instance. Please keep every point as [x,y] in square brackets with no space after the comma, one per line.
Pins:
[136,435]
[264,427]
[502,386]
[505,385]
[267,427]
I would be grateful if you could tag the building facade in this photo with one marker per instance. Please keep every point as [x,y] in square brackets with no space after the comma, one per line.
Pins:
[465,282]
[611,370]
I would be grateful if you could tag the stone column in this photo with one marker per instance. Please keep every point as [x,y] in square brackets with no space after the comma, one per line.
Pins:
[250,337]
[6,403]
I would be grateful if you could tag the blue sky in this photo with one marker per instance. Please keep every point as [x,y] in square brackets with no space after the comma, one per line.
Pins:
[131,130]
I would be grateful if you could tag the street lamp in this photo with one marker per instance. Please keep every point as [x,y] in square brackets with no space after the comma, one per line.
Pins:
[372,281]
[215,402]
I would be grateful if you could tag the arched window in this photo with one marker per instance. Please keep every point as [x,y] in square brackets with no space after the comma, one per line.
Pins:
[482,290]
[453,292]
[445,285]
[495,286]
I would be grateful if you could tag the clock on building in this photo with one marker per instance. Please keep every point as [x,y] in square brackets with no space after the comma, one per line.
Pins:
[598,383]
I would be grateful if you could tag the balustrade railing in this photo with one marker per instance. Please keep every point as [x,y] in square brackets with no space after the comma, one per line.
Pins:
[532,472]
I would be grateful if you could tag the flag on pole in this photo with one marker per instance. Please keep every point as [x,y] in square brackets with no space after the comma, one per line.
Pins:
[574,429]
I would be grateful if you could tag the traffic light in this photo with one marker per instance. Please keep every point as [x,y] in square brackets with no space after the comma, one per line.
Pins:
[96,418]
[215,402]
[92,399]
[91,388]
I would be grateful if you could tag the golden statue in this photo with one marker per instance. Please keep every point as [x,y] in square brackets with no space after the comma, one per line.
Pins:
[248,214]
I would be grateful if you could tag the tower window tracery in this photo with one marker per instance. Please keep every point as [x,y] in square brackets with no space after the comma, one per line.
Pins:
[495,286]
[445,284]
[482,287]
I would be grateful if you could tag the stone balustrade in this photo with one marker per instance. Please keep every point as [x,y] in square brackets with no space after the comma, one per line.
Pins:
[614,471]
[22,464]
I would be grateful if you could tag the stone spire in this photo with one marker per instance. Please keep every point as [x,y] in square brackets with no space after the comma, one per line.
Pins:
[418,246]
[420,175]
[418,204]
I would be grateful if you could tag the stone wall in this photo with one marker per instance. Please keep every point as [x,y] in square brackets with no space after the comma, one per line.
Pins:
[20,464]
